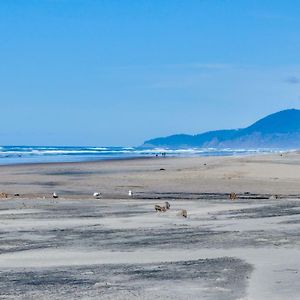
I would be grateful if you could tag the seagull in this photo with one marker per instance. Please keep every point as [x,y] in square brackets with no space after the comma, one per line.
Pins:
[97,195]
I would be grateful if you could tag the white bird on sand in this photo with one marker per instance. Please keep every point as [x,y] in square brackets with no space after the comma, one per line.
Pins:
[97,195]
[55,195]
[130,194]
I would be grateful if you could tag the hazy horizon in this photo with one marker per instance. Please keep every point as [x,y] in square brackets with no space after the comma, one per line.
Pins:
[117,73]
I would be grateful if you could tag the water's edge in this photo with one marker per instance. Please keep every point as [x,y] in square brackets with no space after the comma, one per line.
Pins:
[59,154]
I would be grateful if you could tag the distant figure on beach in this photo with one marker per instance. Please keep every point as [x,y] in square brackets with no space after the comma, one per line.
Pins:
[130,194]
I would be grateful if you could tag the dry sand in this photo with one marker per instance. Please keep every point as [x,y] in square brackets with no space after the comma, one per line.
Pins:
[77,247]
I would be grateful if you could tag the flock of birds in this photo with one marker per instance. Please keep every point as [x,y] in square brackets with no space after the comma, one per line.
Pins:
[158,208]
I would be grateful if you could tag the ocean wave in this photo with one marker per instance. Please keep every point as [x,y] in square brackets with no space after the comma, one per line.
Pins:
[21,154]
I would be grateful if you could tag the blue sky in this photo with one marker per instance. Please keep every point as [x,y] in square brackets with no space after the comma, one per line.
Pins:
[87,72]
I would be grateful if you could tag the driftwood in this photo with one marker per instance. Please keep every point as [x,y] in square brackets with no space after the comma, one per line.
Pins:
[182,213]
[3,195]
[160,208]
[232,196]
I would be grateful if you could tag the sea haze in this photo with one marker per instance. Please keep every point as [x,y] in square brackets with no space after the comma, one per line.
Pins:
[43,154]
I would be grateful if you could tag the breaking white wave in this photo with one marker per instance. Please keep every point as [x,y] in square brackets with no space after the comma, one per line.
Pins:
[38,154]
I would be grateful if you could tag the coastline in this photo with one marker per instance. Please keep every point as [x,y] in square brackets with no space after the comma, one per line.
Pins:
[11,155]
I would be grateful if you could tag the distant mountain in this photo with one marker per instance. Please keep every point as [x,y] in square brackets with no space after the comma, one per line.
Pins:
[278,130]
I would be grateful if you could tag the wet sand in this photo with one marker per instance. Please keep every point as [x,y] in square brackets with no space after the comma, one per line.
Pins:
[118,247]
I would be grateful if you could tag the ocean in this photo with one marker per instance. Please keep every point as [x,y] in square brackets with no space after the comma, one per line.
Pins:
[45,154]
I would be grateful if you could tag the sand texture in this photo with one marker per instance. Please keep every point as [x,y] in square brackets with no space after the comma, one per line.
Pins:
[119,247]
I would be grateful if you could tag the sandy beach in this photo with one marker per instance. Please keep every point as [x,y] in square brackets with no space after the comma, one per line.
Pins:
[118,247]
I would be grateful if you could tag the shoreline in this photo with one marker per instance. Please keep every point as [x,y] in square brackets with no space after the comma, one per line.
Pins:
[79,162]
[27,155]
[136,158]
